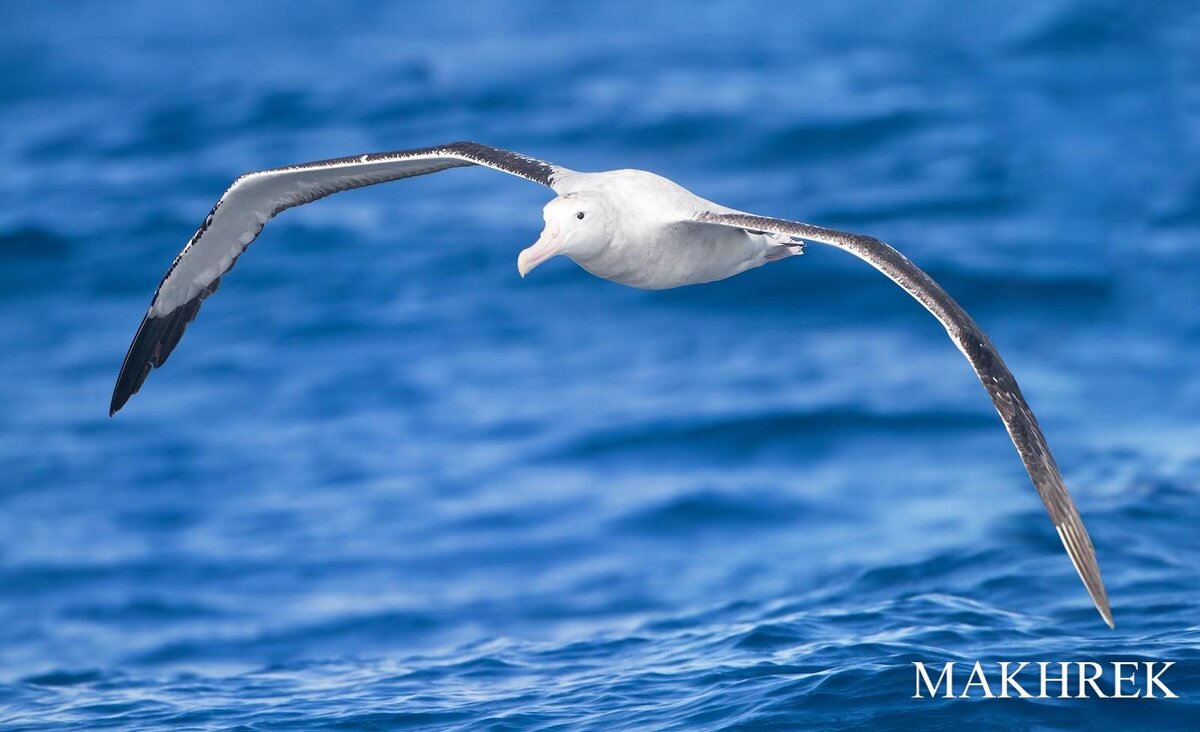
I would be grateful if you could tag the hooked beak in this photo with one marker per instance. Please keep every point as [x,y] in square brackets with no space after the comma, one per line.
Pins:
[547,246]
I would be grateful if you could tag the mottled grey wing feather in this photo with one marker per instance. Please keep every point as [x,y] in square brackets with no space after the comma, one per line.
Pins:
[1018,419]
[255,198]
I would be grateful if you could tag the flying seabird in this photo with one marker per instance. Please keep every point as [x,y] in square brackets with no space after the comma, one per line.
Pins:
[629,226]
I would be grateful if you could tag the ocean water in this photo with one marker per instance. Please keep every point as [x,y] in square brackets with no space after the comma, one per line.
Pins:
[386,484]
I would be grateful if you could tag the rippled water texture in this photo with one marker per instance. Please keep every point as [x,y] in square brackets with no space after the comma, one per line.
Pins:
[385,483]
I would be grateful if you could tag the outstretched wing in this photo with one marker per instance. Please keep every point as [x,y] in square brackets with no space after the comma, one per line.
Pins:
[250,202]
[1022,426]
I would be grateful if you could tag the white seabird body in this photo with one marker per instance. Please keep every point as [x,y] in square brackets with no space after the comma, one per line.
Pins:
[653,239]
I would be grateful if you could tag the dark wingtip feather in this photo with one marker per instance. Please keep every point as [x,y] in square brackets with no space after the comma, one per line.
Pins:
[1083,555]
[155,340]
[138,362]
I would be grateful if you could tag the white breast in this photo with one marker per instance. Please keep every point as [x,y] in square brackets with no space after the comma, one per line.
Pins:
[657,242]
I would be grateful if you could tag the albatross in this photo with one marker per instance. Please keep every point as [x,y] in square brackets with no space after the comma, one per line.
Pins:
[628,226]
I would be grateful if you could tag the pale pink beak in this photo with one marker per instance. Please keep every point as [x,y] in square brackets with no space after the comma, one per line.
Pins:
[547,246]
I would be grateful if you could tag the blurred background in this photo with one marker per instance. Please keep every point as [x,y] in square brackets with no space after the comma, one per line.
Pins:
[385,483]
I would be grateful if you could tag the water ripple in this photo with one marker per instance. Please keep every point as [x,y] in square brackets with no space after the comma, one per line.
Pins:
[387,484]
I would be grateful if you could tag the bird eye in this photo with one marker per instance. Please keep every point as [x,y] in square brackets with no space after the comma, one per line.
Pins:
[579,215]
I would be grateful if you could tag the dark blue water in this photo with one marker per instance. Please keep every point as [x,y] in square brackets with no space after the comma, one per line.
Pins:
[386,484]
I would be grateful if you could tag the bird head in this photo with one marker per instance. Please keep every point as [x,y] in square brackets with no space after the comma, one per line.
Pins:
[576,225]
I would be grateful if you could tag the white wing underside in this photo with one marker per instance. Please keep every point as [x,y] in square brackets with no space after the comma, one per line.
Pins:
[255,198]
[252,200]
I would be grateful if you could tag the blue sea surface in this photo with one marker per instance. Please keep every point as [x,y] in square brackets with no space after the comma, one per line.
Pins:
[384,483]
